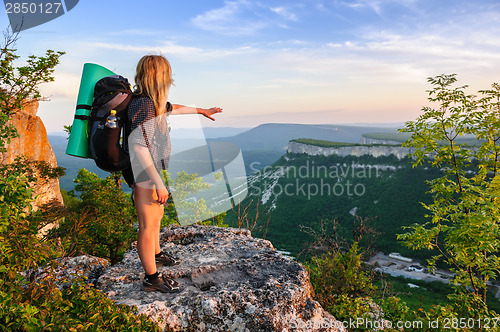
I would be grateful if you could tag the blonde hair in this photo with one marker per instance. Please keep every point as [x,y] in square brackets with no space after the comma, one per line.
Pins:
[153,78]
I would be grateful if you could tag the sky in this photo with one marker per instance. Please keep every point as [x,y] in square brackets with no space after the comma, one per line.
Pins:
[302,61]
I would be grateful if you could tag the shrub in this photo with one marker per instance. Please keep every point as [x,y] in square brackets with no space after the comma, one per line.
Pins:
[30,306]
[101,222]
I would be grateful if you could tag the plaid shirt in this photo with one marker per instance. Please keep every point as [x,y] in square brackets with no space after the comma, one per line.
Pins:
[143,127]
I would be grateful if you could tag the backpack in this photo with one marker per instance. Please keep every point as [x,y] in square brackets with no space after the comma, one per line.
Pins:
[106,145]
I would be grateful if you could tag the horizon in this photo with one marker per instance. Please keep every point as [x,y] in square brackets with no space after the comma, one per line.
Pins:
[368,125]
[310,61]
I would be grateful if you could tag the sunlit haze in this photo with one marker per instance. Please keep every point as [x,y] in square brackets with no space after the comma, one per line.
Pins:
[304,61]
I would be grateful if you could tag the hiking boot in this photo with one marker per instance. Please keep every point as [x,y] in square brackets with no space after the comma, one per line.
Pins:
[166,259]
[161,284]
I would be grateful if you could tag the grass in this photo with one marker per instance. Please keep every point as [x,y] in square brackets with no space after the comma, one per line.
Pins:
[403,137]
[330,144]
[322,143]
[396,137]
[425,296]
[428,293]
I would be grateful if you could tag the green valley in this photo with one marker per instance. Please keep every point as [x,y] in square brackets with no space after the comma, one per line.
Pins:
[300,189]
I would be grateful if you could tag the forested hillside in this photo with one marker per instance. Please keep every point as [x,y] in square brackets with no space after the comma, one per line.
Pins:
[304,190]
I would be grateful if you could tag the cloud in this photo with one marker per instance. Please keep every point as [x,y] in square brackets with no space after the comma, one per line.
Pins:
[373,56]
[286,13]
[170,48]
[377,6]
[242,17]
[133,33]
[232,19]
[381,60]
[464,42]
[65,86]
[164,47]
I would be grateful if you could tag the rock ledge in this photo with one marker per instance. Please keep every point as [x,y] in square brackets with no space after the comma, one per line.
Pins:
[231,282]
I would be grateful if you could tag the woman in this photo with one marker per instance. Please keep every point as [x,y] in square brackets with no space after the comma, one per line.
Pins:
[149,146]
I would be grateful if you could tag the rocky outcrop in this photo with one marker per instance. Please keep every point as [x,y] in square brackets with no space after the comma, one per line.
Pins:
[34,144]
[230,282]
[67,269]
[354,150]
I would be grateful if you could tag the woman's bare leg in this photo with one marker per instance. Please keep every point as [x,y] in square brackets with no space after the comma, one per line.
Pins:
[148,212]
[161,211]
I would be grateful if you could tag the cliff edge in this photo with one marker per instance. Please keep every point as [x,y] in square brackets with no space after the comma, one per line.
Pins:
[230,281]
[352,150]
[33,143]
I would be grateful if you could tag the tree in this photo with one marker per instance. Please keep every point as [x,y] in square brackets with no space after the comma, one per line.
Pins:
[343,284]
[20,85]
[101,222]
[21,248]
[193,210]
[460,137]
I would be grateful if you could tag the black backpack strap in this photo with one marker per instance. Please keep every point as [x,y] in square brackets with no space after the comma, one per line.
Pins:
[145,136]
[84,107]
[89,117]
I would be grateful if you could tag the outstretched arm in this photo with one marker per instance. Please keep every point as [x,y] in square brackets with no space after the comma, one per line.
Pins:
[207,112]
